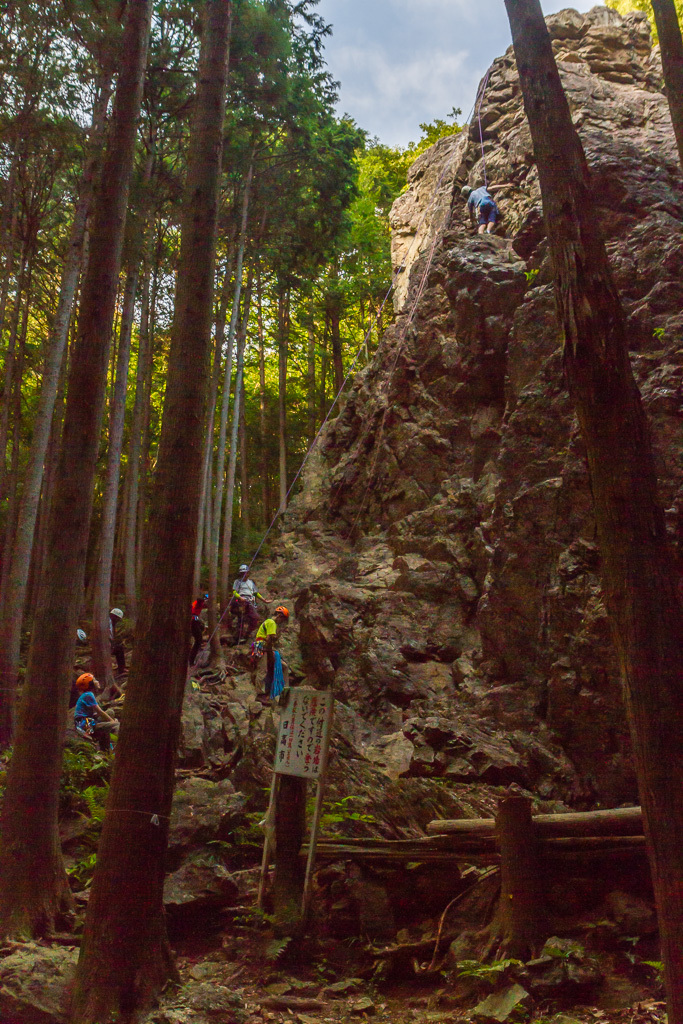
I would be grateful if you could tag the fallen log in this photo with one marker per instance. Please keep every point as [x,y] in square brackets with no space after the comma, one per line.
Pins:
[617,821]
[292,1003]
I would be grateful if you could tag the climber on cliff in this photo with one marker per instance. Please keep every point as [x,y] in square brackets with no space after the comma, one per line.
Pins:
[243,604]
[266,638]
[481,200]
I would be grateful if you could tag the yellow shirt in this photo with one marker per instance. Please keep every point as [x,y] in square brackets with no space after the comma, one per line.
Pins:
[267,628]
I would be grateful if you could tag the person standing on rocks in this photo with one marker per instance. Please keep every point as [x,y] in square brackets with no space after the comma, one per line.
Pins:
[481,200]
[266,639]
[117,648]
[243,604]
[197,626]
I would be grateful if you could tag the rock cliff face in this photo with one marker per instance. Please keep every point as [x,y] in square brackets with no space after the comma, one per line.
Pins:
[442,554]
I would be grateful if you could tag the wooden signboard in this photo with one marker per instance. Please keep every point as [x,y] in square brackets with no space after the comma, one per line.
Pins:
[304,734]
[302,748]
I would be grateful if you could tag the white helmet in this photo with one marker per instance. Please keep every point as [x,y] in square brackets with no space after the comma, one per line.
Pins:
[117,613]
[80,636]
[244,568]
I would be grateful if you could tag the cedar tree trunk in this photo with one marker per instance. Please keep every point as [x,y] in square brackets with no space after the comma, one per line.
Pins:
[33,885]
[671,46]
[637,564]
[125,958]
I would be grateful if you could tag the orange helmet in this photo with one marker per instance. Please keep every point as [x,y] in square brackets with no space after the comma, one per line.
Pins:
[282,611]
[85,681]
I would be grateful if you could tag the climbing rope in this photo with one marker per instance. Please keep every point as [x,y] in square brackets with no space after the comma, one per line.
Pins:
[481,134]
[376,319]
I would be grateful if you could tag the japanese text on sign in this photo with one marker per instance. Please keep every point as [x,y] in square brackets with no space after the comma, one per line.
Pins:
[303,735]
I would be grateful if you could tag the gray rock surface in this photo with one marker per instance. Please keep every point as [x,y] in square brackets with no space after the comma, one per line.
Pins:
[442,555]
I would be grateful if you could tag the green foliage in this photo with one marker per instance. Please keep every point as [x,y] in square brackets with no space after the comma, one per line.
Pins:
[531,275]
[657,967]
[485,972]
[276,947]
[659,333]
[339,813]
[626,6]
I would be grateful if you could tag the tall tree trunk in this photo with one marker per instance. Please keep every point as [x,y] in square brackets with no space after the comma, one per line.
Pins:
[47,491]
[126,959]
[283,342]
[263,419]
[323,373]
[244,470]
[204,531]
[33,884]
[145,443]
[336,350]
[10,229]
[133,468]
[638,572]
[671,46]
[8,375]
[310,385]
[214,610]
[13,481]
[232,461]
[101,647]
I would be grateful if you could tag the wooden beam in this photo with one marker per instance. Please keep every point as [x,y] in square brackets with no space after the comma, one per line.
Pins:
[617,821]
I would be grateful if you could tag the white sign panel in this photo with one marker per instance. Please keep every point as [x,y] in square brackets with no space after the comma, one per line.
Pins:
[304,733]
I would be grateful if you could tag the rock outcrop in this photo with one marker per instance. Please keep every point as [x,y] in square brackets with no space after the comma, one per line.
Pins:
[442,554]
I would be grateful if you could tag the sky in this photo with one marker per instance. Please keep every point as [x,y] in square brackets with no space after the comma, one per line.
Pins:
[403,62]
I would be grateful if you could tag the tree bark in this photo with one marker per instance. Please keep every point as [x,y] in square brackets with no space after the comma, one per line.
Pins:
[638,573]
[145,442]
[263,420]
[33,884]
[245,512]
[337,360]
[13,480]
[671,46]
[232,461]
[205,522]
[133,468]
[310,385]
[520,919]
[8,374]
[125,958]
[323,374]
[282,351]
[214,609]
[101,647]
[288,880]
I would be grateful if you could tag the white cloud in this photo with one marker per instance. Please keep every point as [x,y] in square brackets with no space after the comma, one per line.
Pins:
[402,62]
[390,99]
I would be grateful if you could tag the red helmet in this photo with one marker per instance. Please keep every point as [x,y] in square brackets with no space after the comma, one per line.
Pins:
[85,681]
[281,610]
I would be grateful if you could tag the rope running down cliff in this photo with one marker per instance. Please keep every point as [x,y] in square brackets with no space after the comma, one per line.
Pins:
[374,320]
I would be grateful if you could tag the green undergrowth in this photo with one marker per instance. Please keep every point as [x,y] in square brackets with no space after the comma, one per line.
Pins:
[83,794]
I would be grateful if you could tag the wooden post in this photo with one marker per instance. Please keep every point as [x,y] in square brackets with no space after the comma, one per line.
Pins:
[288,881]
[520,919]
[267,844]
[315,824]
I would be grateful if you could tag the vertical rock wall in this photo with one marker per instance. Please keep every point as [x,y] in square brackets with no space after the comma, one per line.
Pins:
[443,551]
